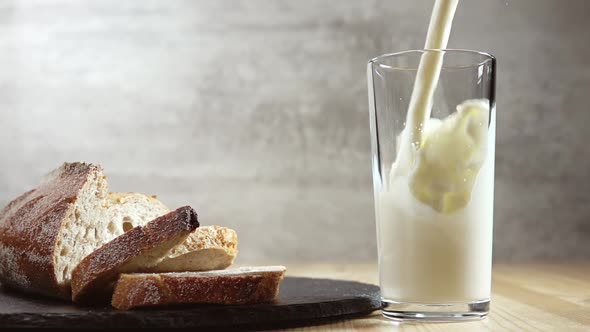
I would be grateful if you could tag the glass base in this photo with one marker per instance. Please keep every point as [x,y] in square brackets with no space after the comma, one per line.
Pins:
[435,312]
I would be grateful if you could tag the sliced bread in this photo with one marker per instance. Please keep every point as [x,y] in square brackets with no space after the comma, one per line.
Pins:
[208,248]
[124,211]
[247,285]
[47,231]
[135,250]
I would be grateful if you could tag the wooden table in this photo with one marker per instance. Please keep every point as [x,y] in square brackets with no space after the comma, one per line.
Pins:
[526,297]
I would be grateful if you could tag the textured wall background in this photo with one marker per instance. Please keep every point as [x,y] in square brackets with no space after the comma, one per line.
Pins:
[256,112]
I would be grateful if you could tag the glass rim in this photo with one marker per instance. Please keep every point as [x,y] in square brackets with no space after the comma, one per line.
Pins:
[379,59]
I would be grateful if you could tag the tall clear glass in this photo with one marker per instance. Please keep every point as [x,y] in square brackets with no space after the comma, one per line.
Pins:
[434,210]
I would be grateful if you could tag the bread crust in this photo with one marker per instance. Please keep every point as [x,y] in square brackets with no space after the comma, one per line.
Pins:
[94,273]
[30,226]
[153,289]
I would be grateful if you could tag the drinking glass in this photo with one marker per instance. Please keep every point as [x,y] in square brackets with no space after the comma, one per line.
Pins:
[434,217]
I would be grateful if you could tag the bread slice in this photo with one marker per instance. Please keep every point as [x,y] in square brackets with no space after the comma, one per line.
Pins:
[124,211]
[135,250]
[208,248]
[47,231]
[247,285]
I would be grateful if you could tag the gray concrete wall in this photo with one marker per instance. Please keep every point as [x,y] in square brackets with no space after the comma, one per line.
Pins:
[255,112]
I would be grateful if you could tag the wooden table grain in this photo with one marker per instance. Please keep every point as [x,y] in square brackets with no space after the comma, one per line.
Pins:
[525,297]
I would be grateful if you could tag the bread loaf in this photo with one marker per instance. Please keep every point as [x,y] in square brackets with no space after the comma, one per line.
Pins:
[47,231]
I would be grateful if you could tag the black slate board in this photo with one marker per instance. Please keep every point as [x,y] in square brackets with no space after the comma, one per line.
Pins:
[302,301]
